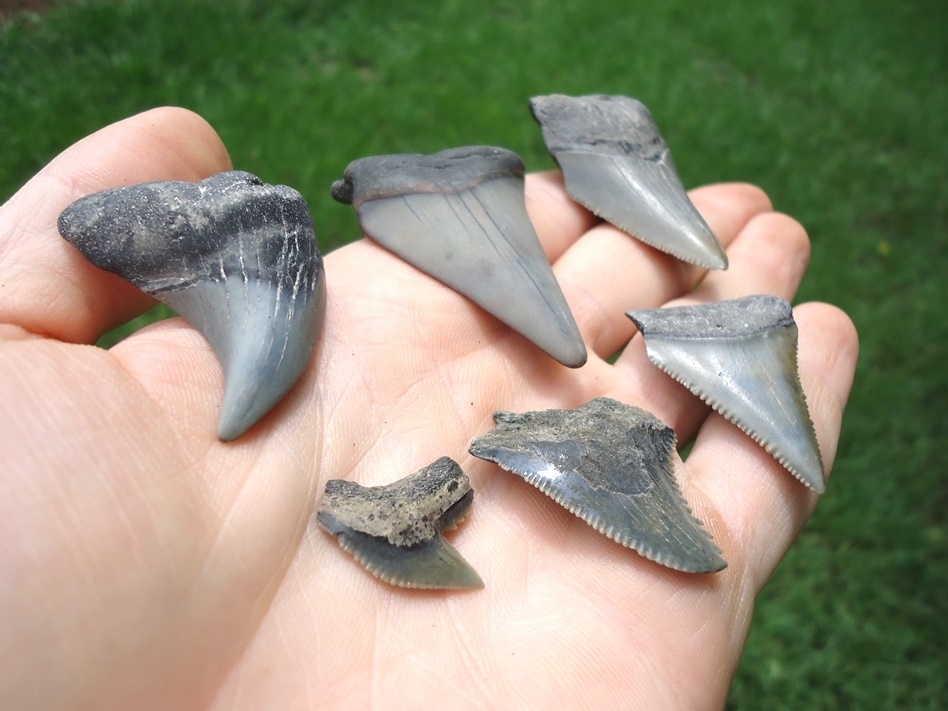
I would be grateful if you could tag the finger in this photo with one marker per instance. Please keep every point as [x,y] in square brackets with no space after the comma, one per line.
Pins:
[49,287]
[607,272]
[754,506]
[558,220]
[768,256]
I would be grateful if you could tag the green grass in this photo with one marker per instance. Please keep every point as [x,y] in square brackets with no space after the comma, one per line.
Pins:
[837,109]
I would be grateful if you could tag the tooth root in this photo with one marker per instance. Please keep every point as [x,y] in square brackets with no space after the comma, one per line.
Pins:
[233,256]
[740,357]
[616,164]
[395,531]
[460,217]
[612,466]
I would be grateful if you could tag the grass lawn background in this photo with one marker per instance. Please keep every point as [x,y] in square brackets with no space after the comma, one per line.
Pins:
[837,110]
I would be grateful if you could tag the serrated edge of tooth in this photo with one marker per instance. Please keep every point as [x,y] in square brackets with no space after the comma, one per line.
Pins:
[646,241]
[647,552]
[725,412]
[400,582]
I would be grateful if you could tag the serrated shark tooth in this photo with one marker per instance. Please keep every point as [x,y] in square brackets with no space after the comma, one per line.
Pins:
[740,357]
[611,465]
[395,530]
[459,216]
[616,164]
[235,257]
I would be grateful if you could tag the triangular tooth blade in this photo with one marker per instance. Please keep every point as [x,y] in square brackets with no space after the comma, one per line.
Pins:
[740,357]
[432,565]
[611,465]
[235,257]
[459,216]
[395,530]
[616,164]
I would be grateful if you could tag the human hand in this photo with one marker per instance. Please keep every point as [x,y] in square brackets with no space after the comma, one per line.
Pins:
[147,564]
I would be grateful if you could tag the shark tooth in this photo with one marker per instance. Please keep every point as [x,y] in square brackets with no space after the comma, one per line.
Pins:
[395,530]
[235,257]
[611,465]
[460,217]
[616,164]
[740,357]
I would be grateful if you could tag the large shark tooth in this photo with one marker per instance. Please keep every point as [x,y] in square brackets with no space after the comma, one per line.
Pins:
[235,257]
[616,164]
[459,216]
[740,357]
[395,530]
[611,465]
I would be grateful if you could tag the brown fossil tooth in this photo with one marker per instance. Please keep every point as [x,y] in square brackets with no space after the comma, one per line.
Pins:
[616,164]
[611,465]
[235,257]
[459,216]
[740,357]
[395,530]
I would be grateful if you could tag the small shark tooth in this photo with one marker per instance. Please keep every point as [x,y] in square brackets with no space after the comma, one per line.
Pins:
[237,258]
[616,164]
[395,530]
[460,217]
[740,357]
[611,465]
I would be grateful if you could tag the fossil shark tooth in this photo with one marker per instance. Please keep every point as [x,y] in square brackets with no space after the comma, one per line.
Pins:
[740,357]
[235,257]
[460,217]
[395,530]
[616,164]
[611,465]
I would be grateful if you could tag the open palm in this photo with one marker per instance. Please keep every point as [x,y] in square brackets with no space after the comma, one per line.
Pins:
[146,564]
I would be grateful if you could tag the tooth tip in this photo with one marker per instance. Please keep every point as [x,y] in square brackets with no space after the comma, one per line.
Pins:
[572,356]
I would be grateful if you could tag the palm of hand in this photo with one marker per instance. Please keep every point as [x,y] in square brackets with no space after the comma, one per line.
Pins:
[158,566]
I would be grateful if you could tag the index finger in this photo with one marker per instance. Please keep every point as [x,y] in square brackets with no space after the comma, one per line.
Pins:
[557,219]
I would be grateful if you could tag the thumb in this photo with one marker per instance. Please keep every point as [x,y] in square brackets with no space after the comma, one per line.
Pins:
[46,286]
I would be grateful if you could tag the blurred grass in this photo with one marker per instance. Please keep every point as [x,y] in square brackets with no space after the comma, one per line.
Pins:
[837,110]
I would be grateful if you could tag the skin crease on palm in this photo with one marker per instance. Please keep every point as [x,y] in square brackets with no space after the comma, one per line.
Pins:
[145,564]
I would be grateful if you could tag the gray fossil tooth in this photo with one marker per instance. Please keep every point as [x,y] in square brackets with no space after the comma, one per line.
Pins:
[611,465]
[235,257]
[459,216]
[740,357]
[616,164]
[395,530]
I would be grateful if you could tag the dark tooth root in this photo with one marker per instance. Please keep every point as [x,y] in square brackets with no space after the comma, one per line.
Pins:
[460,217]
[617,165]
[598,123]
[740,357]
[451,171]
[611,465]
[395,530]
[235,257]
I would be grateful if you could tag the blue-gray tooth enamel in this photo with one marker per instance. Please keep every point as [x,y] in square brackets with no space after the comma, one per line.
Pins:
[611,465]
[234,256]
[740,357]
[460,217]
[616,164]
